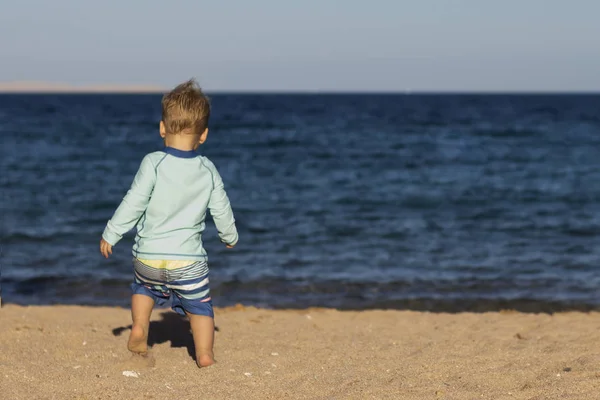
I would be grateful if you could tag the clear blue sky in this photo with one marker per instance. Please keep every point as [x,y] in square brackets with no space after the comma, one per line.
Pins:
[376,45]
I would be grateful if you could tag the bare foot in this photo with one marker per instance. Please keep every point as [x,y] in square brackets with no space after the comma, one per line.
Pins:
[138,340]
[205,360]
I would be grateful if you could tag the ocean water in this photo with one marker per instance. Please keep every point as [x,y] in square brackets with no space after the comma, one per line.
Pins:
[427,202]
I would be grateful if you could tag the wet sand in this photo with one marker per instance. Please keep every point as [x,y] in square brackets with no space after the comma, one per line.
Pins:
[64,352]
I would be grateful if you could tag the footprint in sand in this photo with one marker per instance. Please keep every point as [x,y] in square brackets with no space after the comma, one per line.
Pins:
[137,362]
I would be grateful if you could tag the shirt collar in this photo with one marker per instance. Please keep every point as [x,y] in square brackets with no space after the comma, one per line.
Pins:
[180,153]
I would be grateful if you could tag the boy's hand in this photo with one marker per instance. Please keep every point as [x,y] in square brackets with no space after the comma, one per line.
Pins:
[105,248]
[228,246]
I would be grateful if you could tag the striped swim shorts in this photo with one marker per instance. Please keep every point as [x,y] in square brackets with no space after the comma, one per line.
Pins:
[184,282]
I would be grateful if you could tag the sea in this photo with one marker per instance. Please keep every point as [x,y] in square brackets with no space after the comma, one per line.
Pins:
[442,203]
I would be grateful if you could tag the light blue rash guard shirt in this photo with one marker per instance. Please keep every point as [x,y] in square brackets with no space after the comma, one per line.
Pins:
[167,201]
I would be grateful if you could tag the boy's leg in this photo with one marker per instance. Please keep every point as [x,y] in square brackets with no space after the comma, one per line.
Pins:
[141,309]
[203,330]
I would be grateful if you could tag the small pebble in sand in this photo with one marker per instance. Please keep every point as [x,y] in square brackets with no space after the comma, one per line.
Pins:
[558,375]
[308,316]
[247,374]
[273,365]
[267,372]
[568,369]
[232,370]
[274,354]
[131,374]
[84,342]
[77,367]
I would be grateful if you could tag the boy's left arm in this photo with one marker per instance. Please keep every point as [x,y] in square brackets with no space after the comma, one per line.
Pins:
[132,207]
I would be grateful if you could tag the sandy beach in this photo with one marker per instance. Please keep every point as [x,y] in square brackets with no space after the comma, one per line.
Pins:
[73,352]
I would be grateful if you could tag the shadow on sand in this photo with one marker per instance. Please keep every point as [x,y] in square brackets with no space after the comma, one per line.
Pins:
[172,328]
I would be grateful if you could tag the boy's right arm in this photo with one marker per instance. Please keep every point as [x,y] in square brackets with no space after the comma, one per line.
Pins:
[134,203]
[220,209]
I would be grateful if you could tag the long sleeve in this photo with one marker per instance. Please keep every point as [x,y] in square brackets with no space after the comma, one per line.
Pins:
[220,209]
[134,203]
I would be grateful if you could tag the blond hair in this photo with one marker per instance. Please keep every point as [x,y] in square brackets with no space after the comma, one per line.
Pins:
[186,109]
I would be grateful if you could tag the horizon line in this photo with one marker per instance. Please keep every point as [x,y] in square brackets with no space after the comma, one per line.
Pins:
[42,87]
[305,92]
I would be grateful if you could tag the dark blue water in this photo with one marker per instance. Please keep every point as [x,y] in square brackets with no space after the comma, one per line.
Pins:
[350,201]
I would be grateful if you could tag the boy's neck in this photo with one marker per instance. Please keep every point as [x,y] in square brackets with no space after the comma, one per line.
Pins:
[181,144]
[180,148]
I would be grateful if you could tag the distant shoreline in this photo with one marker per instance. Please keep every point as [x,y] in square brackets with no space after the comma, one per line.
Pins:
[44,87]
[26,87]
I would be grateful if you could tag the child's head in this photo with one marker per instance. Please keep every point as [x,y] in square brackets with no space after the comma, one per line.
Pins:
[185,114]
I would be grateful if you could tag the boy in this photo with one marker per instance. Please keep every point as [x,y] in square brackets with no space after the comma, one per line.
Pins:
[168,200]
